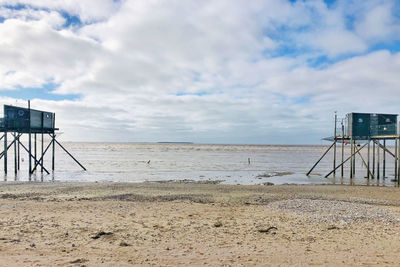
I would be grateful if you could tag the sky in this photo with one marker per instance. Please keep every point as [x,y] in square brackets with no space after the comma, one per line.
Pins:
[211,71]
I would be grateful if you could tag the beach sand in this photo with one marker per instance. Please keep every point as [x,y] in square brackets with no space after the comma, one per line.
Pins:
[170,224]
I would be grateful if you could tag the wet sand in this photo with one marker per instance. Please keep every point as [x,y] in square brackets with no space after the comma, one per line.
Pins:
[170,224]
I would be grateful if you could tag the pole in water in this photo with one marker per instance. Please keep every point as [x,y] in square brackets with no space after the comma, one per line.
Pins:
[384,159]
[377,160]
[5,152]
[373,158]
[334,147]
[398,160]
[18,155]
[35,147]
[248,160]
[368,155]
[15,153]
[354,158]
[323,155]
[54,151]
[351,157]
[30,141]
[42,146]
[342,168]
[337,167]
[66,151]
[395,159]
[53,137]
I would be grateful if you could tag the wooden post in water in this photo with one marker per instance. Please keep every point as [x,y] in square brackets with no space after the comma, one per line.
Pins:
[368,156]
[395,159]
[334,147]
[35,147]
[384,159]
[54,151]
[5,152]
[54,143]
[398,160]
[342,167]
[373,158]
[356,151]
[18,158]
[41,170]
[377,160]
[397,164]
[15,154]
[354,158]
[29,141]
[351,158]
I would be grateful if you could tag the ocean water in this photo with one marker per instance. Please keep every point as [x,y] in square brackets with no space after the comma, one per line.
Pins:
[229,164]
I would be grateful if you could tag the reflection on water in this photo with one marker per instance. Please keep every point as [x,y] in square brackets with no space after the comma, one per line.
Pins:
[234,164]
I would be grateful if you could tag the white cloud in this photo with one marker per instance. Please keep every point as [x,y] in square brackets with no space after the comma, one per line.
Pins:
[199,70]
[88,10]
[379,24]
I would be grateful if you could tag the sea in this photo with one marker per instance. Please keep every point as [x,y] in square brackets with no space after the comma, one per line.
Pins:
[203,163]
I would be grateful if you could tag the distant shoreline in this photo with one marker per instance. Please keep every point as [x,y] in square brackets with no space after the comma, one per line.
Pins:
[190,143]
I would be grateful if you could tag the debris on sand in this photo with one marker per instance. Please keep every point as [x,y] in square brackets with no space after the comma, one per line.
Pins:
[79,261]
[100,234]
[271,229]
[218,224]
[124,244]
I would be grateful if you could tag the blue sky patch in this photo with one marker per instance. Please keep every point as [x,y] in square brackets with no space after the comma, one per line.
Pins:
[71,20]
[44,93]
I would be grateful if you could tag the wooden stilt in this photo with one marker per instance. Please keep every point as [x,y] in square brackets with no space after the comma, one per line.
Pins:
[350,157]
[31,156]
[15,153]
[34,147]
[54,151]
[66,151]
[53,138]
[354,158]
[384,159]
[395,159]
[5,152]
[19,157]
[368,156]
[42,156]
[342,168]
[40,161]
[365,163]
[377,160]
[334,147]
[373,157]
[387,150]
[308,173]
[30,142]
[398,160]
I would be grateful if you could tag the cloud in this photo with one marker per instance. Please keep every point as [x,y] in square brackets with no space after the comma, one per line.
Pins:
[202,71]
[88,11]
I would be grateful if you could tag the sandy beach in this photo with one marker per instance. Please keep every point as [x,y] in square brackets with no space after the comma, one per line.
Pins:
[170,224]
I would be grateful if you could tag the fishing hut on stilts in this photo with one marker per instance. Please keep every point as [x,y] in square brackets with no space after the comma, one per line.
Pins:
[360,131]
[19,121]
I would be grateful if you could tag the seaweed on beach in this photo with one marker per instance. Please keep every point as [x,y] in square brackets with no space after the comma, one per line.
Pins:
[273,174]
[197,198]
